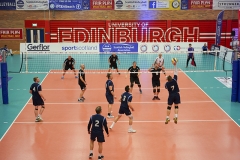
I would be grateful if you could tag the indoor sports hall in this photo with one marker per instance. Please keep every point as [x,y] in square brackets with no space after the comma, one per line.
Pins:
[208,126]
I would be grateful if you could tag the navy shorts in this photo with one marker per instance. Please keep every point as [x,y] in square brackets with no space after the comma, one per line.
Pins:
[125,111]
[110,99]
[38,102]
[134,80]
[174,98]
[99,136]
[67,67]
[82,86]
[113,65]
[156,83]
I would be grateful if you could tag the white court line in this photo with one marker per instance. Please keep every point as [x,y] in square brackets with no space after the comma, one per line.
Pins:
[55,89]
[156,102]
[77,122]
[20,112]
[212,100]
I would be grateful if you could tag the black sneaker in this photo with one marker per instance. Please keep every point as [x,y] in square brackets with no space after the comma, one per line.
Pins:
[140,91]
[100,157]
[157,98]
[154,98]
[83,98]
[90,155]
[118,73]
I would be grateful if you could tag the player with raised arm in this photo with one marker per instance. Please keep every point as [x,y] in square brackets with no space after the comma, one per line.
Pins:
[126,99]
[156,80]
[95,129]
[82,82]
[112,60]
[134,76]
[174,96]
[37,98]
[110,94]
[69,64]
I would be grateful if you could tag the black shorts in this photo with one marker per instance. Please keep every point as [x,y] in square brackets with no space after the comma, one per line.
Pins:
[99,136]
[110,99]
[174,98]
[134,80]
[156,83]
[82,86]
[125,111]
[38,102]
[67,67]
[113,65]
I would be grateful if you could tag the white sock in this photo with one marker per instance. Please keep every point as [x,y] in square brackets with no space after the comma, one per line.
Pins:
[130,126]
[168,117]
[176,115]
[100,155]
[91,151]
[112,125]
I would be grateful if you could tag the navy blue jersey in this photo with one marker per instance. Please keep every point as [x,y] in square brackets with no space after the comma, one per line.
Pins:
[109,83]
[97,122]
[204,48]
[172,86]
[190,54]
[125,98]
[35,88]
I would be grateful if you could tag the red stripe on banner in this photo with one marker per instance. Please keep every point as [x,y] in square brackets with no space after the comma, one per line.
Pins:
[11,33]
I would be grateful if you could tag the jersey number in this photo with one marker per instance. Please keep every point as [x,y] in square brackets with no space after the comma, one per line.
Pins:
[172,88]
[124,97]
[34,89]
[97,123]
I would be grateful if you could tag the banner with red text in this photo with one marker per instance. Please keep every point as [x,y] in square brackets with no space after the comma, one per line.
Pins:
[11,33]
[239,24]
[102,4]
[196,4]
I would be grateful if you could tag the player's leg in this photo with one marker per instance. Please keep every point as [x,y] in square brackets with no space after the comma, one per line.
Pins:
[158,90]
[74,71]
[188,59]
[154,89]
[131,84]
[41,112]
[177,101]
[100,149]
[110,100]
[170,102]
[64,71]
[130,116]
[110,67]
[83,89]
[36,113]
[115,120]
[116,67]
[92,139]
[137,81]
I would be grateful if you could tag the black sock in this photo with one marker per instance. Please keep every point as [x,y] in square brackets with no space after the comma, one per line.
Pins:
[109,114]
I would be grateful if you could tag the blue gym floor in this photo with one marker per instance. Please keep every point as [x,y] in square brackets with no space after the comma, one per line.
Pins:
[20,83]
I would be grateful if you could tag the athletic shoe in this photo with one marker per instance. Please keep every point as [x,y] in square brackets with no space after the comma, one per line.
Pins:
[111,116]
[140,91]
[37,119]
[80,100]
[157,98]
[90,155]
[167,120]
[175,120]
[131,131]
[83,98]
[154,98]
[62,77]
[40,118]
[118,73]
[100,157]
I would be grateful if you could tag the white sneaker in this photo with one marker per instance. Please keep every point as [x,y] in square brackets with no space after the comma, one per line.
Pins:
[40,118]
[111,116]
[62,77]
[131,131]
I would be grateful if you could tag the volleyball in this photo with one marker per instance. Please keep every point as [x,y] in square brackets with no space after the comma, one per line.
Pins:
[174,61]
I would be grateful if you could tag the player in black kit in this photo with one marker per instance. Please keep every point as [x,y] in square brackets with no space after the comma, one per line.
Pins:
[174,96]
[134,76]
[69,64]
[37,98]
[112,60]
[82,82]
[156,79]
[95,129]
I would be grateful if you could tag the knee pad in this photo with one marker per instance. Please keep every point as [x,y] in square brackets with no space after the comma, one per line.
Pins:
[131,85]
[176,107]
[158,90]
[154,90]
[169,107]
[43,106]
[139,85]
[130,116]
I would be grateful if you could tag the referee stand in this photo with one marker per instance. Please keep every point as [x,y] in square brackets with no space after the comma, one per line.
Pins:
[235,78]
[4,78]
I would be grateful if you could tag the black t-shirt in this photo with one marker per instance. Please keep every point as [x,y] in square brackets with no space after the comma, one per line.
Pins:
[70,62]
[113,60]
[136,69]
[81,74]
[156,73]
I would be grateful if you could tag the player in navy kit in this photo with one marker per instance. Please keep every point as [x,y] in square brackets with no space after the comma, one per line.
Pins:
[37,98]
[95,129]
[174,96]
[112,60]
[134,76]
[126,99]
[110,94]
[82,82]
[156,80]
[69,64]
[190,54]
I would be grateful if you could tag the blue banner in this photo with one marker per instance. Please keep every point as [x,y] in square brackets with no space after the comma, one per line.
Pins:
[219,28]
[119,47]
[8,5]
[184,4]
[85,4]
[63,5]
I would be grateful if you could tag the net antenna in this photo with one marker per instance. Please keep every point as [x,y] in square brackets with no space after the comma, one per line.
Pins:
[224,61]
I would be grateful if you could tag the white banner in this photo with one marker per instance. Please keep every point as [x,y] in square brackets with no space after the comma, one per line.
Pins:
[59,48]
[226,4]
[223,51]
[131,4]
[173,47]
[32,4]
[226,81]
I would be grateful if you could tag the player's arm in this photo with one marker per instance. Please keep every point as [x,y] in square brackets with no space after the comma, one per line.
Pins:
[128,71]
[81,79]
[175,72]
[40,92]
[129,103]
[150,69]
[64,64]
[89,125]
[111,89]
[118,60]
[139,72]
[73,62]
[105,126]
[109,60]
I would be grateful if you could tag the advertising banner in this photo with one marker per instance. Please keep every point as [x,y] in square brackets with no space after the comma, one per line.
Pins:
[102,5]
[119,47]
[239,25]
[32,4]
[11,33]
[131,4]
[67,5]
[196,4]
[165,4]
[219,28]
[226,4]
[8,5]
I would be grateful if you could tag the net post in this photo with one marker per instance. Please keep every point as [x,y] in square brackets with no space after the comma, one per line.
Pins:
[26,56]
[215,61]
[4,79]
[235,80]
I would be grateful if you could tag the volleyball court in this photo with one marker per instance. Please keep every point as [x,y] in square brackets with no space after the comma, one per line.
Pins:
[203,131]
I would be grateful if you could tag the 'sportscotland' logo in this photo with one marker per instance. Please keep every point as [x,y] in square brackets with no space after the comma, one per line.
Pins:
[167,48]
[20,3]
[143,48]
[176,48]
[107,47]
[155,48]
[119,4]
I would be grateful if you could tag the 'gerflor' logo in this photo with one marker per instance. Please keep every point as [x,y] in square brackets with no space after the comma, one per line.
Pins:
[39,47]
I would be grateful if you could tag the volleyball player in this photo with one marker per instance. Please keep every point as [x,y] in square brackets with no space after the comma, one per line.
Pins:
[69,64]
[37,98]
[190,54]
[174,96]
[110,94]
[95,129]
[126,99]
[134,76]
[160,61]
[112,60]
[156,80]
[82,82]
